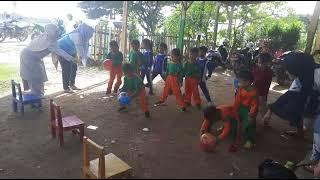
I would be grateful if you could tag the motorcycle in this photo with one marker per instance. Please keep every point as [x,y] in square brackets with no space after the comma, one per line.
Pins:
[36,31]
[10,30]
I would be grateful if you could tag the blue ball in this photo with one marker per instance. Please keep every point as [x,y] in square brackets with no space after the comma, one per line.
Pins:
[123,98]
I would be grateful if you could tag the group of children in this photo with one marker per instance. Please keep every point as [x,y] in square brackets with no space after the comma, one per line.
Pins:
[196,70]
[251,92]
[239,119]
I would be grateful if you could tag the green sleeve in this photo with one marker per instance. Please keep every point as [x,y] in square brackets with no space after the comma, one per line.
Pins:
[121,57]
[138,85]
[108,56]
[181,72]
[125,85]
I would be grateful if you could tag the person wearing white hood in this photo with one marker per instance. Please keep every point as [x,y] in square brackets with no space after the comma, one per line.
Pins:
[74,43]
[32,69]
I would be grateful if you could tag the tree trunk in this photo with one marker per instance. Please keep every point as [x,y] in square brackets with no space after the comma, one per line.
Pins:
[201,22]
[317,45]
[312,28]
[230,18]
[216,23]
[124,29]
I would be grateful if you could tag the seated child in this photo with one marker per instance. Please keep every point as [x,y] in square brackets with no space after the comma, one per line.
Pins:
[262,79]
[116,58]
[160,62]
[246,107]
[174,74]
[231,125]
[134,86]
[191,71]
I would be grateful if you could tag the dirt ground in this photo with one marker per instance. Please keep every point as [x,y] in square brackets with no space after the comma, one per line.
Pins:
[168,150]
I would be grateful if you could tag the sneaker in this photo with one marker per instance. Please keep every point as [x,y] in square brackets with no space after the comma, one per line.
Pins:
[121,109]
[159,103]
[74,87]
[147,114]
[183,109]
[248,145]
[68,91]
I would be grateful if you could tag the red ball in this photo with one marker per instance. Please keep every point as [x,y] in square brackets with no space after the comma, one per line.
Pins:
[107,64]
[207,142]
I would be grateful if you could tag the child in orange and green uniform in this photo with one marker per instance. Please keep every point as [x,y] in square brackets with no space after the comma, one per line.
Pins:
[116,58]
[231,125]
[246,107]
[136,58]
[134,86]
[191,71]
[174,75]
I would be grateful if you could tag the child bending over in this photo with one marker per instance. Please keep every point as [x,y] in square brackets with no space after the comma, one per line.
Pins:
[134,87]
[231,125]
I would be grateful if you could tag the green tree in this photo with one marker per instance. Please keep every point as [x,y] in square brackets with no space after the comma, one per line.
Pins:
[200,18]
[284,32]
[147,13]
[133,30]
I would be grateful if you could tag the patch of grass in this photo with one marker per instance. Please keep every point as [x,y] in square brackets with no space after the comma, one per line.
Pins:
[7,73]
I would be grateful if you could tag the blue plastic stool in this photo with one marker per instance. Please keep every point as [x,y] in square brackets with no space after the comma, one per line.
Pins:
[23,99]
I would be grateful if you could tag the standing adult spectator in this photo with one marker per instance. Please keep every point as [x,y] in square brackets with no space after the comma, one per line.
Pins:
[74,43]
[32,69]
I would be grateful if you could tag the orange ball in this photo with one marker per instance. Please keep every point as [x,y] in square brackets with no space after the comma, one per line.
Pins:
[107,64]
[207,142]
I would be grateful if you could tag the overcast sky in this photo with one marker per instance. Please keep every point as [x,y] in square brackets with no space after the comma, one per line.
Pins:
[51,9]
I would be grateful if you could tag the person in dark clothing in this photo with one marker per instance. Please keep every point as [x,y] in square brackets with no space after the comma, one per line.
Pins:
[223,50]
[291,105]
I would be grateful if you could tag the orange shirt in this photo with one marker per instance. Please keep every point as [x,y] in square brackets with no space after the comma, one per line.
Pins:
[247,98]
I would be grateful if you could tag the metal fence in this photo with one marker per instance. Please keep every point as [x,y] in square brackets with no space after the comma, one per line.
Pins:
[99,44]
[171,41]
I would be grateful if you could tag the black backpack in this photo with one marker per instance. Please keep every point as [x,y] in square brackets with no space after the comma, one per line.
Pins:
[270,169]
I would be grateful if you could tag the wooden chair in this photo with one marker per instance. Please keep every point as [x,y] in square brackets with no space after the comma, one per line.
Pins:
[59,124]
[105,166]
[23,99]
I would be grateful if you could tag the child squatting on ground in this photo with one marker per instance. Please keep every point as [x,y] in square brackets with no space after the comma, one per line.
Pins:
[116,58]
[231,125]
[134,86]
[246,107]
[191,71]
[174,76]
